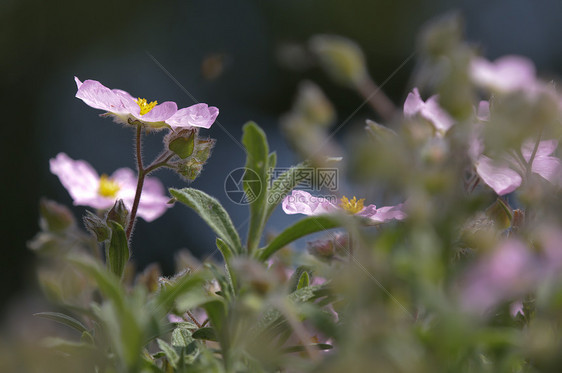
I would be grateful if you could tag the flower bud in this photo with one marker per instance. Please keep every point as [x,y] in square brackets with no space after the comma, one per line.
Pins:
[118,213]
[182,142]
[96,226]
[54,216]
[341,58]
[203,148]
[313,106]
[341,244]
[321,249]
[189,170]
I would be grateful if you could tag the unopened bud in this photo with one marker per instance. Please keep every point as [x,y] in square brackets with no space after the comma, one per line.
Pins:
[341,244]
[54,216]
[321,249]
[313,106]
[96,226]
[118,213]
[203,148]
[341,58]
[189,169]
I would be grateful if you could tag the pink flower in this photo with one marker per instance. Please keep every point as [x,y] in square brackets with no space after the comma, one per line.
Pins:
[430,110]
[506,74]
[87,188]
[125,109]
[543,164]
[506,175]
[301,202]
[508,272]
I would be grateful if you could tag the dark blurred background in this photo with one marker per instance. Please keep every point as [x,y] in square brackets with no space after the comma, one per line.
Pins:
[245,57]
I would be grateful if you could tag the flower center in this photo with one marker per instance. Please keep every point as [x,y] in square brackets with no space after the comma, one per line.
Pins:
[145,106]
[352,206]
[108,187]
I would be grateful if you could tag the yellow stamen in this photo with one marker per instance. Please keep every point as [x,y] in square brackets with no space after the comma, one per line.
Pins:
[352,206]
[145,106]
[108,187]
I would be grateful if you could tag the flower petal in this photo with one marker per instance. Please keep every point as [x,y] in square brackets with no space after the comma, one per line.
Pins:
[545,165]
[198,115]
[301,202]
[153,202]
[80,180]
[430,110]
[387,213]
[98,96]
[160,112]
[506,74]
[501,179]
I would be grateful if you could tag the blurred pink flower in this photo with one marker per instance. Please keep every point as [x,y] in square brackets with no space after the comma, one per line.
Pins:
[497,175]
[87,188]
[508,272]
[430,110]
[125,109]
[506,74]
[301,202]
[506,175]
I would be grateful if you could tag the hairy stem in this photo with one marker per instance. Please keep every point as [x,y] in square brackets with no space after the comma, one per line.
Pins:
[140,182]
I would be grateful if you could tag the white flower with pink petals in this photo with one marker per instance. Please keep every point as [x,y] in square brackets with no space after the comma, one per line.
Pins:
[87,188]
[301,202]
[126,109]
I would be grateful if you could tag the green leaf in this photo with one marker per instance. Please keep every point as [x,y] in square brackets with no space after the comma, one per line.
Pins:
[255,179]
[210,210]
[117,250]
[68,347]
[181,337]
[271,161]
[300,229]
[107,282]
[63,319]
[227,255]
[169,293]
[304,280]
[284,184]
[207,334]
[216,310]
[170,352]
